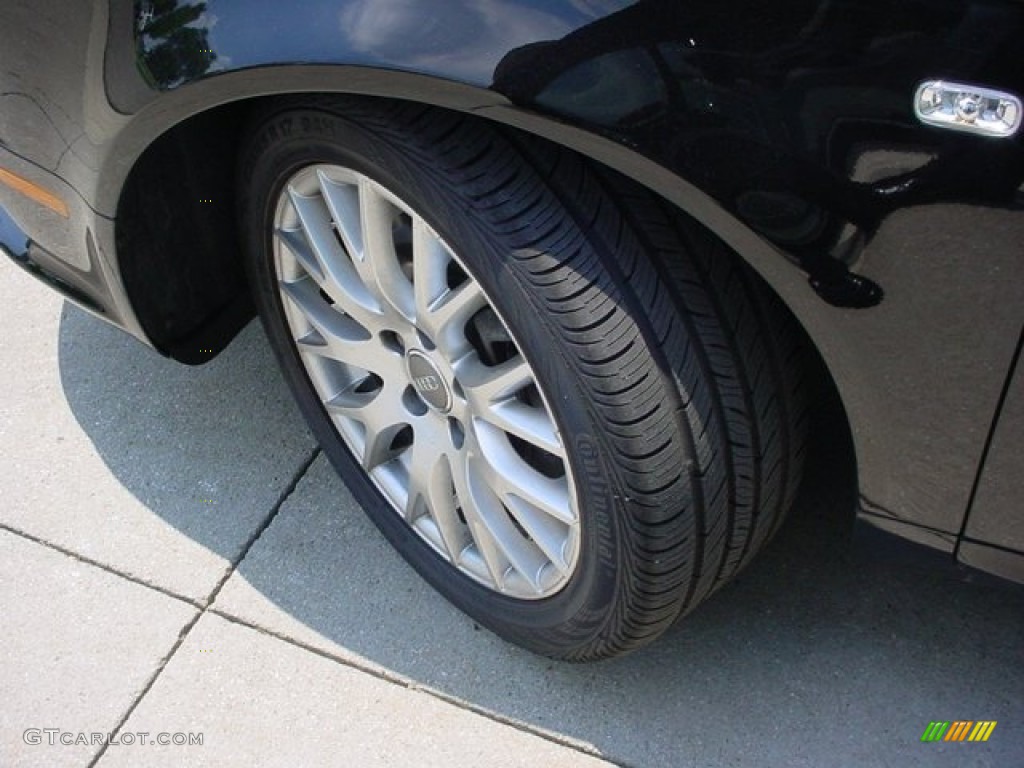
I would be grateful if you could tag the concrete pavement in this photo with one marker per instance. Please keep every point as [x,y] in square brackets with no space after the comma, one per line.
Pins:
[176,557]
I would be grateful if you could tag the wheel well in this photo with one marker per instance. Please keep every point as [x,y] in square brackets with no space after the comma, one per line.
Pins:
[178,244]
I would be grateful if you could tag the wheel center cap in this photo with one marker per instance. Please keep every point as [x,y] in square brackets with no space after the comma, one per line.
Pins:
[428,381]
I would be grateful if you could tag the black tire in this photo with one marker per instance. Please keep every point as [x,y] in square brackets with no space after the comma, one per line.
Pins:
[671,373]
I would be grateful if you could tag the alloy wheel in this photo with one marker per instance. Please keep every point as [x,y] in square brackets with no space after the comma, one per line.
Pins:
[424,382]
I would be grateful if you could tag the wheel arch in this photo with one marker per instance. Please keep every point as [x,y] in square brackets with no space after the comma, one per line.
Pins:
[191,135]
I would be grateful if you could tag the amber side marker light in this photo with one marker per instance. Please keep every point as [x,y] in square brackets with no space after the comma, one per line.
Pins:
[34,192]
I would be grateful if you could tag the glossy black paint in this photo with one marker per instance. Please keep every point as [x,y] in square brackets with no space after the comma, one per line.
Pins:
[786,129]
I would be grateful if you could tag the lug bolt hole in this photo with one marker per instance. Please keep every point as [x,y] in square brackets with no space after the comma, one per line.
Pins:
[371,383]
[425,341]
[412,401]
[392,341]
[402,439]
[457,433]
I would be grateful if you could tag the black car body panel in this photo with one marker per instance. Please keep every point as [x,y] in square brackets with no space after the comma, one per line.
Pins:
[787,130]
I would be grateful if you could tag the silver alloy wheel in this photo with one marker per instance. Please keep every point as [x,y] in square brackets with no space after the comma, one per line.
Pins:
[424,382]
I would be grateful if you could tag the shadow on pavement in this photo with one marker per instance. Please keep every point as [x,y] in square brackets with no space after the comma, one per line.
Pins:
[811,657]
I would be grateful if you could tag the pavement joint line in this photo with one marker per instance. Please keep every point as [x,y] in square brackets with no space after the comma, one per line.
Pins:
[198,604]
[204,607]
[262,527]
[404,682]
[116,730]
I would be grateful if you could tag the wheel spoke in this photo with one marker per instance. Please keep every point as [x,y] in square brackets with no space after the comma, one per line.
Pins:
[294,239]
[334,335]
[489,522]
[430,263]
[442,311]
[486,544]
[380,416]
[342,201]
[528,423]
[390,284]
[446,321]
[547,533]
[490,392]
[481,510]
[431,484]
[485,385]
[510,475]
[315,245]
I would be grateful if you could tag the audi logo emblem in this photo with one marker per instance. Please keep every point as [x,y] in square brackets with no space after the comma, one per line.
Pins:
[428,383]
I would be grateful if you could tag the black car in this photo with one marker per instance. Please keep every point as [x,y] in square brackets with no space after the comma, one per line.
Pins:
[554,283]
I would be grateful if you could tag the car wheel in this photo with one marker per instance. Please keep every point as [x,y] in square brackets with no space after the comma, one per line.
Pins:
[572,414]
